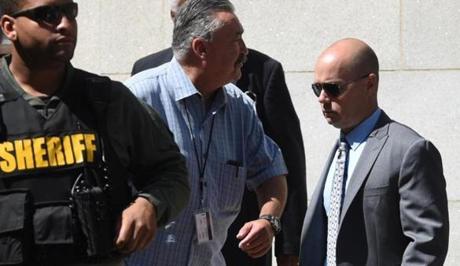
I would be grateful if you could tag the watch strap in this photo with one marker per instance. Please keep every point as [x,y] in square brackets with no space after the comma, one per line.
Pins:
[274,222]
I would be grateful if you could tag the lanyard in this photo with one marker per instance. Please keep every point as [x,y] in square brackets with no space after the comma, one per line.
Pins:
[201,164]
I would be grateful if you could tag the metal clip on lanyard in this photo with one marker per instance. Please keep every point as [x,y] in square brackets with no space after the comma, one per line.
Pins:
[201,165]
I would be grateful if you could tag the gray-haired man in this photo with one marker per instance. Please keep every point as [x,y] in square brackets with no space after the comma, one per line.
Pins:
[216,128]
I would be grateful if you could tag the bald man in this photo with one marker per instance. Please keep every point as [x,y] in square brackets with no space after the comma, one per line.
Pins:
[381,199]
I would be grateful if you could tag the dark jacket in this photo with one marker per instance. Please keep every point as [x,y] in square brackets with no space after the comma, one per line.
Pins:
[94,114]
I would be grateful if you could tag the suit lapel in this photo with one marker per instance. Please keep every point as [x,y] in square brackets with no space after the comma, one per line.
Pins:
[317,197]
[374,145]
[318,194]
[313,236]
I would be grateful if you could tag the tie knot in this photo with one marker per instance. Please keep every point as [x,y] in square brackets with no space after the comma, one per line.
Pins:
[343,146]
[343,149]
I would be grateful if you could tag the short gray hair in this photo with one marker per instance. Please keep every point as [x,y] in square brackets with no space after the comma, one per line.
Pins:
[196,18]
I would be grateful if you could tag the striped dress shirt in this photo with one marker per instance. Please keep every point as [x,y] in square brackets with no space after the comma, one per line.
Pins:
[239,154]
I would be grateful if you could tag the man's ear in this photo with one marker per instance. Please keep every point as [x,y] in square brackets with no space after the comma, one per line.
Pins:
[7,23]
[200,47]
[372,82]
[173,15]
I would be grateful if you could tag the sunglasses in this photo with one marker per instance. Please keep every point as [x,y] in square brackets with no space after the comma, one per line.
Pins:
[49,14]
[333,89]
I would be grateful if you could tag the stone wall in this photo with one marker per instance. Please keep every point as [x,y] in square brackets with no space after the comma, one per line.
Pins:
[416,41]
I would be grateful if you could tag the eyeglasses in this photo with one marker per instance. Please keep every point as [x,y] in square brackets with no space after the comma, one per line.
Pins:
[49,14]
[333,89]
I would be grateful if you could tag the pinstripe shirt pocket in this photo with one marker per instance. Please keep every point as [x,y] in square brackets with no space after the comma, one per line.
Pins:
[227,187]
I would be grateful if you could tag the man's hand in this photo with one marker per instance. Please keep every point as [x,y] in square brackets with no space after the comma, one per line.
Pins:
[138,226]
[287,260]
[256,237]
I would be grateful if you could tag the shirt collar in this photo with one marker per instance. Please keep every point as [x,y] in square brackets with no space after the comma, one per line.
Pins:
[183,87]
[360,133]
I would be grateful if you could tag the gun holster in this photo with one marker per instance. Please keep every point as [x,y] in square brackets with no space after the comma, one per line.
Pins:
[93,213]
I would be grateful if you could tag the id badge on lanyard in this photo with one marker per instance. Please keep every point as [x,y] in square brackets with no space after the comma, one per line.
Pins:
[203,217]
[203,225]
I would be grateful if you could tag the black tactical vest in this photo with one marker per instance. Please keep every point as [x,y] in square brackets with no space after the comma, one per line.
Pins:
[40,160]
